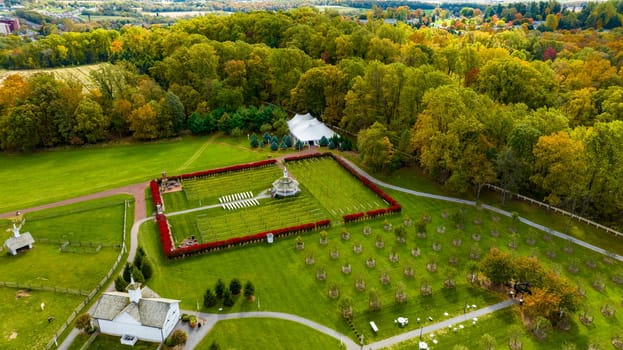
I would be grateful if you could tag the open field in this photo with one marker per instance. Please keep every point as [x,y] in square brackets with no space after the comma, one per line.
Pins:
[81,74]
[266,334]
[64,271]
[25,325]
[50,176]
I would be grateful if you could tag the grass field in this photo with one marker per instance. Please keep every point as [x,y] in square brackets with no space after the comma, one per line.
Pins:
[25,325]
[51,176]
[266,334]
[79,268]
[107,342]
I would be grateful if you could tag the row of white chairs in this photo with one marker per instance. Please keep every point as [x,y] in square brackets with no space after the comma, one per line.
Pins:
[235,197]
[241,204]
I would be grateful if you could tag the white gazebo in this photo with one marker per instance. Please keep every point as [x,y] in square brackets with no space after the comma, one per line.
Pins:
[285,186]
[308,129]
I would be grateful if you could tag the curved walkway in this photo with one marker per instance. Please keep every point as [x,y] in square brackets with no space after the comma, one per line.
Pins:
[137,191]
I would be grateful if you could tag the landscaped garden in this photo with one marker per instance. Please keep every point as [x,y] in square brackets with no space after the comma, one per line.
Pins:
[418,264]
[75,247]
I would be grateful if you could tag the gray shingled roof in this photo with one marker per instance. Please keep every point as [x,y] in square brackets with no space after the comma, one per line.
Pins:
[14,243]
[150,311]
[110,305]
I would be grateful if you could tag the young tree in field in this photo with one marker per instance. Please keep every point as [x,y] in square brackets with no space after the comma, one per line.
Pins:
[254,142]
[488,342]
[497,266]
[249,290]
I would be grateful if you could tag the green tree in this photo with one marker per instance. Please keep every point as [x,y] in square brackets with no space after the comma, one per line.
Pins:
[209,298]
[228,299]
[235,286]
[146,269]
[219,288]
[488,342]
[249,290]
[143,122]
[375,147]
[120,284]
[497,266]
[18,130]
[254,142]
[83,322]
[91,123]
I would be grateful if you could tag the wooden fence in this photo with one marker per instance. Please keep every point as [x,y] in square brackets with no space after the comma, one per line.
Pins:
[555,209]
[54,341]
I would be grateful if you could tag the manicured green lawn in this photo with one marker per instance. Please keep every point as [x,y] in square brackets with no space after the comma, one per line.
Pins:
[302,294]
[24,325]
[49,176]
[336,189]
[218,224]
[268,334]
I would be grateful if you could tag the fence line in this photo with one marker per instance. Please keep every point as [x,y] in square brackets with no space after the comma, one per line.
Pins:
[90,295]
[78,243]
[557,210]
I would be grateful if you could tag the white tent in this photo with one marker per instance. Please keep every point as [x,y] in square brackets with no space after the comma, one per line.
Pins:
[308,129]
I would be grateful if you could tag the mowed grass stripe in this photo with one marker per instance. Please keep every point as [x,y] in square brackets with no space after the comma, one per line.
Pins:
[218,223]
[334,187]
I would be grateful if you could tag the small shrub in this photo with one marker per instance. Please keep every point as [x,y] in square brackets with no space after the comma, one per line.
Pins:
[235,286]
[178,337]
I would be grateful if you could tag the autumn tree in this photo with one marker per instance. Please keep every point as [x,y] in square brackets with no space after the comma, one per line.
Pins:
[375,147]
[91,123]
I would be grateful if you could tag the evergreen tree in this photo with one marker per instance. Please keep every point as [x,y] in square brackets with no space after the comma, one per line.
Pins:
[146,269]
[254,142]
[209,298]
[120,284]
[323,142]
[219,288]
[299,145]
[274,146]
[249,290]
[266,138]
[235,286]
[228,299]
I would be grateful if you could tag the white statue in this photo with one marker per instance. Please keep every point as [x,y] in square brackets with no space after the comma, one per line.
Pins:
[285,172]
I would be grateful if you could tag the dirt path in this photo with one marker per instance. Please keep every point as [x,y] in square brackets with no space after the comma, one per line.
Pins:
[137,191]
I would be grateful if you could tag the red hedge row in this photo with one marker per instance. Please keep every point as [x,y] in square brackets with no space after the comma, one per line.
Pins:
[165,234]
[155,193]
[237,241]
[237,167]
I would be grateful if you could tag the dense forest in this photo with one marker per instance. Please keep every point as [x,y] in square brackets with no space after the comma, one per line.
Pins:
[539,112]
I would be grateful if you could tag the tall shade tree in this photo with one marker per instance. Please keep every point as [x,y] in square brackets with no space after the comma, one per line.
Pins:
[512,80]
[375,148]
[91,123]
[143,122]
[18,130]
[561,168]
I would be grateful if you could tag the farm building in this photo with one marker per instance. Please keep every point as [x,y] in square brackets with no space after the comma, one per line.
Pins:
[308,129]
[138,314]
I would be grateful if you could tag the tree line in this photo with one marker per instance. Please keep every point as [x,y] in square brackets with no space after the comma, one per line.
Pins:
[537,112]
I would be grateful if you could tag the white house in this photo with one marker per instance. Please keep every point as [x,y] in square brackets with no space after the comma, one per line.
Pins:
[139,313]
[308,129]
